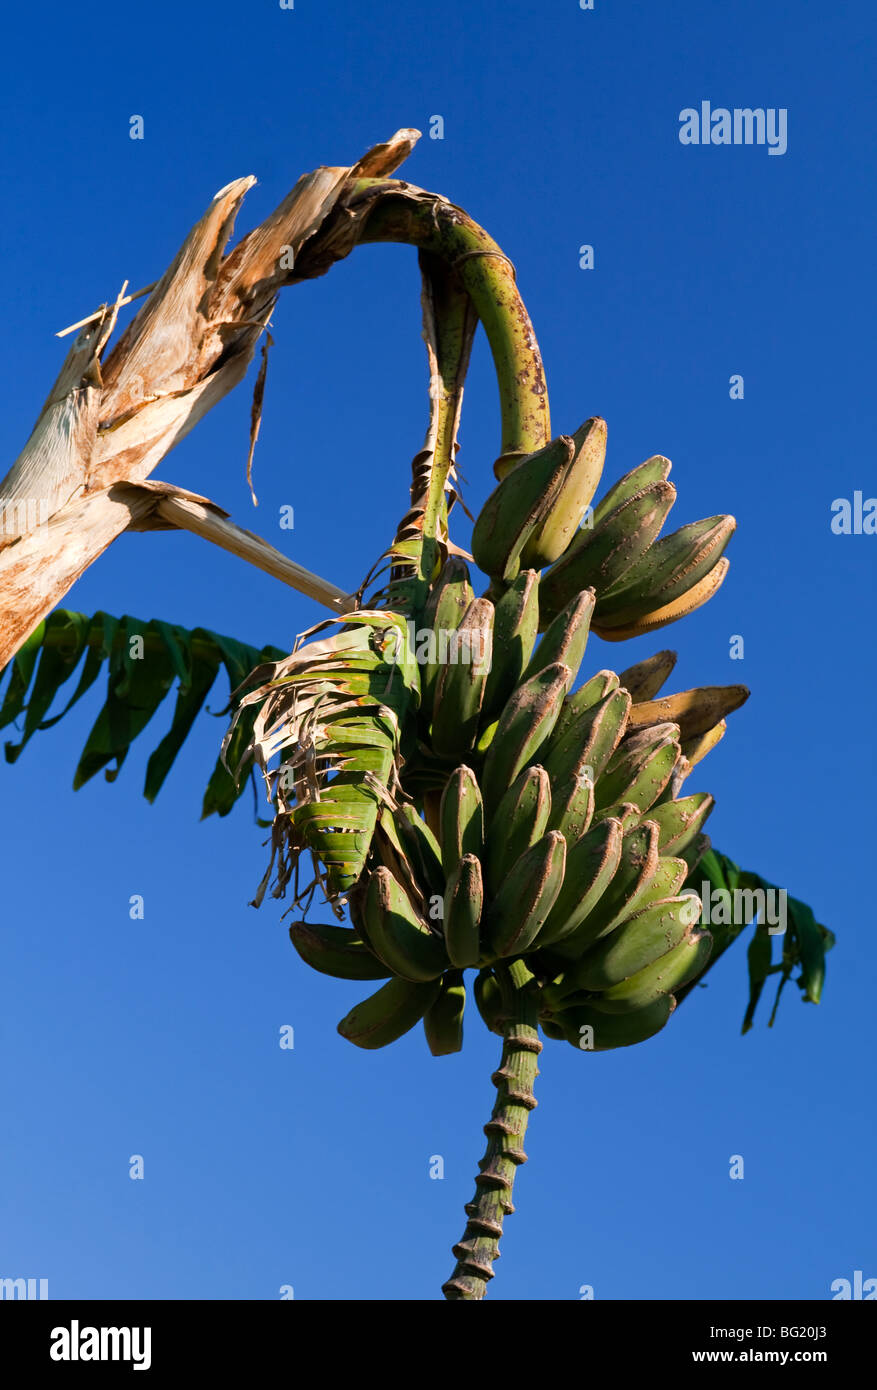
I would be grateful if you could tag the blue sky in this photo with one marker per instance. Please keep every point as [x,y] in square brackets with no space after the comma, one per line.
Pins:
[310,1167]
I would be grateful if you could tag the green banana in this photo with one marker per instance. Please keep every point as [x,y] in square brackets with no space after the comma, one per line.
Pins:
[587,1028]
[488,1000]
[520,820]
[601,557]
[639,769]
[515,624]
[443,1020]
[636,867]
[572,808]
[636,943]
[655,470]
[463,902]
[517,507]
[396,847]
[627,813]
[566,638]
[695,711]
[667,571]
[589,739]
[671,791]
[520,909]
[648,622]
[523,727]
[397,935]
[337,951]
[667,883]
[589,694]
[551,1029]
[461,818]
[387,1014]
[645,679]
[421,848]
[590,865]
[460,687]
[573,497]
[679,822]
[670,972]
[639,740]
[694,852]
[448,600]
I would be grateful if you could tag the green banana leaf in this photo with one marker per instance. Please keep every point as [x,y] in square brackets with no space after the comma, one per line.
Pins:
[142,660]
[803,944]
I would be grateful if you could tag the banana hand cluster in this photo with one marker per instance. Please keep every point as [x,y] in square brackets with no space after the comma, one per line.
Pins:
[641,582]
[530,818]
[553,830]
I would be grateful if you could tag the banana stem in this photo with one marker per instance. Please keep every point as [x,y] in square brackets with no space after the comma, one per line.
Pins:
[452,322]
[488,276]
[449,323]
[505,1131]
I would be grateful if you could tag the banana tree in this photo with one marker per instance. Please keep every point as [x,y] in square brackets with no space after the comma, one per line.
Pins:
[434,770]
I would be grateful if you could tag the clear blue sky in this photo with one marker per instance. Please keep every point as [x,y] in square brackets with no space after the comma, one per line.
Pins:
[311,1167]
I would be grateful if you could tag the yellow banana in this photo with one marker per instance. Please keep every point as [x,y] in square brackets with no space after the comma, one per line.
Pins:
[695,711]
[644,680]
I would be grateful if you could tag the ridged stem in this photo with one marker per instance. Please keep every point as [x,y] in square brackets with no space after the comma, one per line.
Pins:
[488,276]
[505,1131]
[449,326]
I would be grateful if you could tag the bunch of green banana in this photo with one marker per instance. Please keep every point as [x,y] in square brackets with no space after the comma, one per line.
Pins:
[534,816]
[621,991]
[558,838]
[534,519]
[675,575]
[601,555]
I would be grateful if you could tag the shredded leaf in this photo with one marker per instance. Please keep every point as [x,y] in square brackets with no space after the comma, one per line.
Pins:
[142,661]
